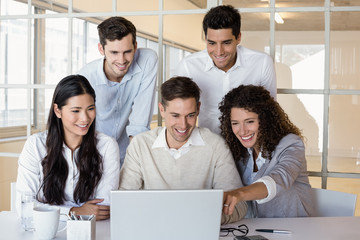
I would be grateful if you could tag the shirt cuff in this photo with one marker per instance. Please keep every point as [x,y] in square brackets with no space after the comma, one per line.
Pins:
[135,130]
[271,188]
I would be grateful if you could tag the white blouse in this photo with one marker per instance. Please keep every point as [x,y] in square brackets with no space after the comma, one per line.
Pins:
[30,171]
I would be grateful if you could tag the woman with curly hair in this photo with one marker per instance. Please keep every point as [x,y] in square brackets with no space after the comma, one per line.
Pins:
[269,153]
[71,165]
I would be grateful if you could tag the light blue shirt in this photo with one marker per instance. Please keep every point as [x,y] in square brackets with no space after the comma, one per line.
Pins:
[124,109]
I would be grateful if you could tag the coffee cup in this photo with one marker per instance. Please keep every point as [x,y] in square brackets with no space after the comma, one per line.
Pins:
[46,222]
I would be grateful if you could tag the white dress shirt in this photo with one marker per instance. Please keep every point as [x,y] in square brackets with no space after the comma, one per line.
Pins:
[251,67]
[30,171]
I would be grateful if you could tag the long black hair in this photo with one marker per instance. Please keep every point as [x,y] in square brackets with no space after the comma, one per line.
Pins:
[88,160]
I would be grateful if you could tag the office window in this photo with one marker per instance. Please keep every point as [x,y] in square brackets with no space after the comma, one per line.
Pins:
[184,4]
[14,53]
[90,6]
[11,7]
[344,143]
[345,3]
[56,50]
[137,5]
[306,112]
[345,50]
[300,3]
[13,104]
[255,31]
[247,4]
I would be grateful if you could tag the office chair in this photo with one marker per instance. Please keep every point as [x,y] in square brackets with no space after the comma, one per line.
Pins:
[328,203]
[13,196]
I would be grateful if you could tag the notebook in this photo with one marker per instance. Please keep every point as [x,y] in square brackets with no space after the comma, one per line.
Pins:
[165,214]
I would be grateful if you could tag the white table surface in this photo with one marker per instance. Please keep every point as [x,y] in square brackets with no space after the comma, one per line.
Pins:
[10,229]
[343,228]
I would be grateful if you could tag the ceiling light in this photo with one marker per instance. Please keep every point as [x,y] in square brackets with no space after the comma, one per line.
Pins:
[278,19]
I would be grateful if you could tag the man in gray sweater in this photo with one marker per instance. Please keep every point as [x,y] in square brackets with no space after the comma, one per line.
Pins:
[181,155]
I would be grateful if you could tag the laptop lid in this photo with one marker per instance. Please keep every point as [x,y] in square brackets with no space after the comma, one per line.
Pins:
[165,214]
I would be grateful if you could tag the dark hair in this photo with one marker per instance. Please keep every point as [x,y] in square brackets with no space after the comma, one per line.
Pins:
[88,160]
[274,123]
[179,87]
[115,28]
[220,17]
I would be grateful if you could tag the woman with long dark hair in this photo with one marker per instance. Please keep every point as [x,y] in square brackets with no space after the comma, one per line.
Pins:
[71,165]
[269,153]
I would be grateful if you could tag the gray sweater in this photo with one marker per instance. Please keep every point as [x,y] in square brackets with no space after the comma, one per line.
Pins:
[210,166]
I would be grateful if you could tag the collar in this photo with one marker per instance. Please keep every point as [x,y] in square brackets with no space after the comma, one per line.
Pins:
[195,139]
[259,161]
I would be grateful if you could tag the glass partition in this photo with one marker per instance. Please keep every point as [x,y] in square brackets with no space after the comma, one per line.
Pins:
[306,112]
[345,50]
[344,143]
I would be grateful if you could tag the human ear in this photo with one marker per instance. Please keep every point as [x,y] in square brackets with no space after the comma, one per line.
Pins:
[198,108]
[57,111]
[238,39]
[101,49]
[162,109]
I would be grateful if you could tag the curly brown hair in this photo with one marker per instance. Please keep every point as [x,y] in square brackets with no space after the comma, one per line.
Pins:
[274,123]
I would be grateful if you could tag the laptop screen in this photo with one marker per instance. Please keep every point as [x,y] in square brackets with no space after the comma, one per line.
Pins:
[165,214]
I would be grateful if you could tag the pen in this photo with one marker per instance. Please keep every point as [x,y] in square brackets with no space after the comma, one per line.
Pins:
[273,231]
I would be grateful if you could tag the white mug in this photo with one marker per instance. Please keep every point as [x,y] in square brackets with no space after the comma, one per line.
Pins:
[46,222]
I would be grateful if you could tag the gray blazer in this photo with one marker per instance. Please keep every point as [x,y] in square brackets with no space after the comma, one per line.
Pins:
[288,169]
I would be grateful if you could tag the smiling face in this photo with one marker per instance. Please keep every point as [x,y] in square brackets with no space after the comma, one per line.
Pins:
[245,125]
[119,55]
[77,116]
[180,117]
[221,47]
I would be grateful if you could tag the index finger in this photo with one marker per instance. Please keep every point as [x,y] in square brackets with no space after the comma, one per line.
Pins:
[225,197]
[104,207]
[231,207]
[94,201]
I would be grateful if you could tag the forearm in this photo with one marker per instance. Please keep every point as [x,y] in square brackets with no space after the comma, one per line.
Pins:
[254,191]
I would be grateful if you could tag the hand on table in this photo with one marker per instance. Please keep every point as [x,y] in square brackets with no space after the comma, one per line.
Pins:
[102,212]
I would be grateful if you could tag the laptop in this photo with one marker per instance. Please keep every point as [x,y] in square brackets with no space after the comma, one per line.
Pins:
[165,214]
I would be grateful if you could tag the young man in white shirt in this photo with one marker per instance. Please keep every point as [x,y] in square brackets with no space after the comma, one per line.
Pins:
[124,81]
[225,64]
[181,155]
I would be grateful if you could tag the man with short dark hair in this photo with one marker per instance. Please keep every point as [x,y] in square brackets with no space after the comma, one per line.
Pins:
[124,81]
[225,64]
[181,155]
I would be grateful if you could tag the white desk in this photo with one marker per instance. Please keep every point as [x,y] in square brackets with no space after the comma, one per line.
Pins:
[10,229]
[315,228]
[347,228]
